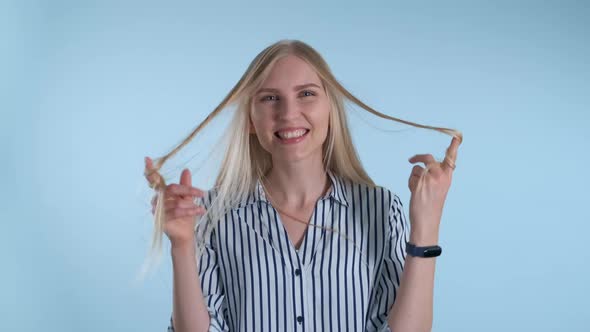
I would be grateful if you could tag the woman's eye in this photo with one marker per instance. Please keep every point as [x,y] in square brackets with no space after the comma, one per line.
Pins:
[305,93]
[265,98]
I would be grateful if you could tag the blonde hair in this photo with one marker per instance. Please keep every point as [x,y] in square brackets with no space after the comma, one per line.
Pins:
[245,161]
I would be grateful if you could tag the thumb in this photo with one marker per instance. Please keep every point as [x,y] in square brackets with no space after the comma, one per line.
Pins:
[185,177]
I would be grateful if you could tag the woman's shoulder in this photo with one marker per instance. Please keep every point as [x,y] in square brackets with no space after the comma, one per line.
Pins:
[361,192]
[208,196]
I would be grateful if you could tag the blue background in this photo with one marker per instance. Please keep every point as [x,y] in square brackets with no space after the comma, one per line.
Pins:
[90,88]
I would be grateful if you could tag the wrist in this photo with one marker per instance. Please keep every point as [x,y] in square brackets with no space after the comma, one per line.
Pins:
[422,239]
[182,250]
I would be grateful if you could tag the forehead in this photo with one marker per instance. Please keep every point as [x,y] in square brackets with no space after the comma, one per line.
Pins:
[289,71]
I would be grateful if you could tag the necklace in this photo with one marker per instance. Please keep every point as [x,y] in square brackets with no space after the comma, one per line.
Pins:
[317,226]
[283,212]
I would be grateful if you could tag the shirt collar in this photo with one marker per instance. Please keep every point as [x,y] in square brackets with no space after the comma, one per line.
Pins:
[336,192]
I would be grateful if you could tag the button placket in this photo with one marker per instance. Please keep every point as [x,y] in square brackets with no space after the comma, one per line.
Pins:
[300,294]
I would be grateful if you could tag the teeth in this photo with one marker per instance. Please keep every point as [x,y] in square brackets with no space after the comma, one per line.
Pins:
[292,134]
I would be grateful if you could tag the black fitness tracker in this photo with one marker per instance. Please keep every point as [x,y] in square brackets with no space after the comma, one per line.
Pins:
[428,251]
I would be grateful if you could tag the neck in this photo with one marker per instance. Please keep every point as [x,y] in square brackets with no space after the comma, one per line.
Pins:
[296,185]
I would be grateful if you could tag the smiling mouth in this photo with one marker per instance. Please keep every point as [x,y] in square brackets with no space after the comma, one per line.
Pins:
[291,135]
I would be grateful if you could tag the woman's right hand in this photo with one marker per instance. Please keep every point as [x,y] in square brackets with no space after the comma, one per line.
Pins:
[180,211]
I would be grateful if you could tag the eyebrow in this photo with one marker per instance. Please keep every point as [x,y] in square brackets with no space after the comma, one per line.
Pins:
[295,88]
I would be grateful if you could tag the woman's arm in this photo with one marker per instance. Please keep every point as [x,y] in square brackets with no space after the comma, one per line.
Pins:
[189,309]
[412,309]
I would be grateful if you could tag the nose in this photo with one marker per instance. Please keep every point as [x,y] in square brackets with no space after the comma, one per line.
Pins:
[287,109]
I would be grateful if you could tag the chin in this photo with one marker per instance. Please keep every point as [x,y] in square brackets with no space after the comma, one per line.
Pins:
[295,155]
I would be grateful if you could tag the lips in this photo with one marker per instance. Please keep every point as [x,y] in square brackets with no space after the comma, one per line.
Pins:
[291,133]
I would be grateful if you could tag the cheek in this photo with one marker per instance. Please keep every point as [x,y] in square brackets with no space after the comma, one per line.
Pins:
[260,120]
[263,129]
[321,116]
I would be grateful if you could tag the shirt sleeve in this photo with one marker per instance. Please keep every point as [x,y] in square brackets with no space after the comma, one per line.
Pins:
[388,281]
[210,277]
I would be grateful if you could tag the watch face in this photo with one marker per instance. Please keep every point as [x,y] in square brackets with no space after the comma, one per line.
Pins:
[432,252]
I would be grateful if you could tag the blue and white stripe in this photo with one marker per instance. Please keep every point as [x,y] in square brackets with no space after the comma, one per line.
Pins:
[253,278]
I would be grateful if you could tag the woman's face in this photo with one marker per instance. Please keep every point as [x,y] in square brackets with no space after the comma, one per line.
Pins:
[290,112]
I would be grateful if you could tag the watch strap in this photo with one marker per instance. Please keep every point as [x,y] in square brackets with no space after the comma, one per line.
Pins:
[425,251]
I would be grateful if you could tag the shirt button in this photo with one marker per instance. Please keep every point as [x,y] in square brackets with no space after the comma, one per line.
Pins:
[299,319]
[297,272]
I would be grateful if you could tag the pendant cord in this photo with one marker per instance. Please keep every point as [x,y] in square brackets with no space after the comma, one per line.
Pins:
[317,226]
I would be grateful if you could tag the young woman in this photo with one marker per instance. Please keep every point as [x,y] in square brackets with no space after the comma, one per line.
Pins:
[295,236]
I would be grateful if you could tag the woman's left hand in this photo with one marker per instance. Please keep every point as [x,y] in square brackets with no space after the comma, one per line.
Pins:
[429,189]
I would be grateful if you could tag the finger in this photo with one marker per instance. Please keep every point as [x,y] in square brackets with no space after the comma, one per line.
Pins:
[155,199]
[182,190]
[186,178]
[424,158]
[148,163]
[149,168]
[182,203]
[417,170]
[453,148]
[451,155]
[448,166]
[415,177]
[413,182]
[180,213]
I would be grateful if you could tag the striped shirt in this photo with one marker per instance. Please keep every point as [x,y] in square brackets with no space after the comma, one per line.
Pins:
[254,279]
